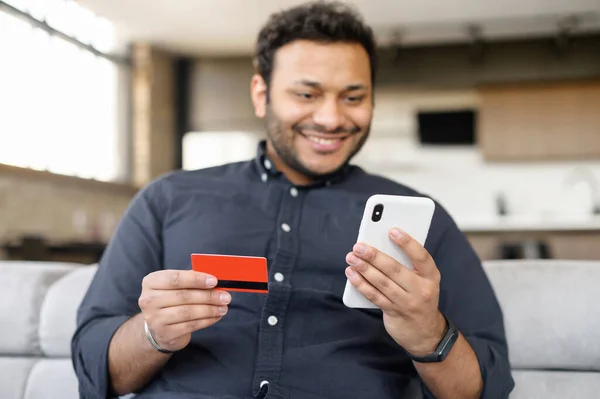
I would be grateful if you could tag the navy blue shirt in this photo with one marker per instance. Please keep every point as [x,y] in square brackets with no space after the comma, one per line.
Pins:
[299,338]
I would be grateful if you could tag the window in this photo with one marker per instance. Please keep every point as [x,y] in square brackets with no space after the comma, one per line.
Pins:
[58,101]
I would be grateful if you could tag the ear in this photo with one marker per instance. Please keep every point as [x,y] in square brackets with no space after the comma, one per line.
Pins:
[258,91]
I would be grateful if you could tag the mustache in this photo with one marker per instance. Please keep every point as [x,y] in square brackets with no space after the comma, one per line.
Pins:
[321,129]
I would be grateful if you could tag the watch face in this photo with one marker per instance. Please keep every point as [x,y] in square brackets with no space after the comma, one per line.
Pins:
[448,341]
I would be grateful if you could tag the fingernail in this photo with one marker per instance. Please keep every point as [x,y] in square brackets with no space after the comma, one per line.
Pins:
[396,233]
[222,309]
[225,297]
[360,248]
[211,281]
[351,274]
[353,260]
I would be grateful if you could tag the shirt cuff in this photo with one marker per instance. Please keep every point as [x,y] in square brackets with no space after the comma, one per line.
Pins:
[495,369]
[90,355]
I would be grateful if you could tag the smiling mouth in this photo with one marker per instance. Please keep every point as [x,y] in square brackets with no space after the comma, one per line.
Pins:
[322,140]
[324,144]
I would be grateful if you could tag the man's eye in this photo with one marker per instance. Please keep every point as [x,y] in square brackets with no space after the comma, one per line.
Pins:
[305,96]
[354,100]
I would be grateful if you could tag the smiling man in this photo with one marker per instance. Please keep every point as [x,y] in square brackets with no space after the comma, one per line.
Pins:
[148,324]
[318,113]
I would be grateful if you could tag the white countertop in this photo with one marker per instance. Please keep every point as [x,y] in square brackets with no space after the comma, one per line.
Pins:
[529,223]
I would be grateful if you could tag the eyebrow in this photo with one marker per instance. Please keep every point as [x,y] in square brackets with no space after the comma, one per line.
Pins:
[317,85]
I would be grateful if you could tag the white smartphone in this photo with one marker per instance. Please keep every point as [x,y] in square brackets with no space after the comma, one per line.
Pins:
[383,212]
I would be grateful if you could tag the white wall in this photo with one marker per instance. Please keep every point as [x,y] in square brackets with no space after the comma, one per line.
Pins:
[208,149]
[220,95]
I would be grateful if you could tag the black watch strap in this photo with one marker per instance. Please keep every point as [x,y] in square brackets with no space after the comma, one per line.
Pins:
[443,348]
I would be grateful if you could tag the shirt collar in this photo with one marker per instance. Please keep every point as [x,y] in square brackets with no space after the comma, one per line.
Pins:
[266,168]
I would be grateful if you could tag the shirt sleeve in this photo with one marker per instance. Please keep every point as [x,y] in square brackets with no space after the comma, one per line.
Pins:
[134,251]
[467,298]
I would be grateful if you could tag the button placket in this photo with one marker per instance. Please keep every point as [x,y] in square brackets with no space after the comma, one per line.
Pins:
[270,342]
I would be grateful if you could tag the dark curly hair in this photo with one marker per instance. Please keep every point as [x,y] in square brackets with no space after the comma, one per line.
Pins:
[320,21]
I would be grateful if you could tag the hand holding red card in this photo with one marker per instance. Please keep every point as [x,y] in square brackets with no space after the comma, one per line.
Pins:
[175,303]
[234,273]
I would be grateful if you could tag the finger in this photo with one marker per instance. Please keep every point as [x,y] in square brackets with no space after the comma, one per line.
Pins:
[175,331]
[178,279]
[184,313]
[379,280]
[420,257]
[159,299]
[400,274]
[368,291]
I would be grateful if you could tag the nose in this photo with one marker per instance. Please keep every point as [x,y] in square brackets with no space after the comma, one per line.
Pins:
[329,114]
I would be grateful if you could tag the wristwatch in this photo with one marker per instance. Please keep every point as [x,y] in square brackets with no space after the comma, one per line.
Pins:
[444,347]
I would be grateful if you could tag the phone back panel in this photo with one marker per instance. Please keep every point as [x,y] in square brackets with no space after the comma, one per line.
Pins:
[411,214]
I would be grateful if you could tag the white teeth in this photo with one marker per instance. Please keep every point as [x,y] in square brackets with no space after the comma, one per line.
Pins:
[321,140]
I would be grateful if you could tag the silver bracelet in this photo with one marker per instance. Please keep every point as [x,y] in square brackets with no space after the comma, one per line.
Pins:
[153,342]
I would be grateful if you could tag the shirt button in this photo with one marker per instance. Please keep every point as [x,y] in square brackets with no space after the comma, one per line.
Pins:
[268,164]
[272,320]
[286,227]
[263,383]
[263,177]
[294,192]
[278,277]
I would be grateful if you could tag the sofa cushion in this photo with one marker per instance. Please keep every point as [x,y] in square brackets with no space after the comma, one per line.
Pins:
[59,311]
[52,379]
[24,286]
[551,310]
[555,384]
[13,378]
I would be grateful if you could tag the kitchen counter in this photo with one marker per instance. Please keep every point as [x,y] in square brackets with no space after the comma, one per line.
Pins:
[42,250]
[523,223]
[560,237]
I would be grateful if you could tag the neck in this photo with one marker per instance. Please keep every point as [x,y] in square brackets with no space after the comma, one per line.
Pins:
[295,177]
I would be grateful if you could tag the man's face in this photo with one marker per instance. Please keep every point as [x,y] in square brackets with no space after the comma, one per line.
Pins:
[320,105]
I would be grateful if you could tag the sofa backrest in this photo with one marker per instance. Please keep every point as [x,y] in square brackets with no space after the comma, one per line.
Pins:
[59,310]
[551,312]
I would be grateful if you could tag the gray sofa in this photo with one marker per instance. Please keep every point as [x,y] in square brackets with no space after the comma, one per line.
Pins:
[551,308]
[38,302]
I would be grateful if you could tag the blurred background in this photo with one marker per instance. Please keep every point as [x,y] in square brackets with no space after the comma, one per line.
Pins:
[492,108]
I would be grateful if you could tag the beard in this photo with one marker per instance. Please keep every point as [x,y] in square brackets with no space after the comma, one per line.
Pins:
[283,143]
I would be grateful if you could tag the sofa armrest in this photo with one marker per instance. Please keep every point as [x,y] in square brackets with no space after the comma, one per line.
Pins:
[24,288]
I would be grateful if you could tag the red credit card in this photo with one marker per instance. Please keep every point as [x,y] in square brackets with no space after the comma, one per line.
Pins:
[234,273]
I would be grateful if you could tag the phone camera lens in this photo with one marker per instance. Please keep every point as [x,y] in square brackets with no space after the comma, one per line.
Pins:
[377,212]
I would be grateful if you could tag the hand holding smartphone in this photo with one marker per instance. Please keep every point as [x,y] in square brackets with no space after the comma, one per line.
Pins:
[382,213]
